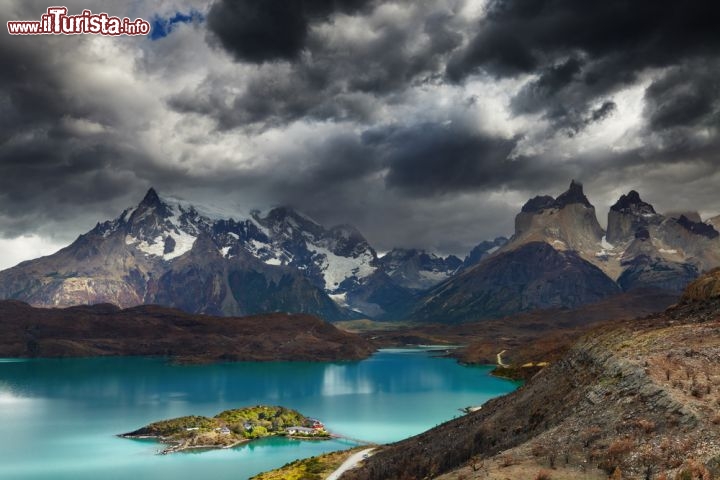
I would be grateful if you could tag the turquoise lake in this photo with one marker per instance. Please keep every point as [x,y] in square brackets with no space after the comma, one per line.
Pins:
[59,418]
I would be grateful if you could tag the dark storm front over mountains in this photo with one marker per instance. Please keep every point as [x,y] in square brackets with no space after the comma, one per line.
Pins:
[423,124]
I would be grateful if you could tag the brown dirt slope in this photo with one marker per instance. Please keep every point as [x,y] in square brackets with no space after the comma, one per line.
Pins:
[637,399]
[104,329]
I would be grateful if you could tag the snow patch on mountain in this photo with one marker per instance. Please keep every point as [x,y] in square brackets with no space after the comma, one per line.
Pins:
[434,276]
[183,244]
[335,268]
[340,299]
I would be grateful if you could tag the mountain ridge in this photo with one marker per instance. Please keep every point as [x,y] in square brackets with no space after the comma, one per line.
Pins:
[650,251]
[281,261]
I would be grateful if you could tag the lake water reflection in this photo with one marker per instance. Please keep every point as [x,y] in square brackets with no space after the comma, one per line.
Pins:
[58,418]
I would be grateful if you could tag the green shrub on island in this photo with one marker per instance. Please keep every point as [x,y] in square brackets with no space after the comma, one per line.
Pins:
[229,428]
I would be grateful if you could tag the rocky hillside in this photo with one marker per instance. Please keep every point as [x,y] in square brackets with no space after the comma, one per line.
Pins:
[102,330]
[634,399]
[532,276]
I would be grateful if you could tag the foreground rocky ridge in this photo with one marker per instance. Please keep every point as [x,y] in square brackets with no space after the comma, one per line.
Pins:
[106,330]
[637,397]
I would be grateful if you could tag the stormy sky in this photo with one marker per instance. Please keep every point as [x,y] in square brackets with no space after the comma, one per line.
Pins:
[424,123]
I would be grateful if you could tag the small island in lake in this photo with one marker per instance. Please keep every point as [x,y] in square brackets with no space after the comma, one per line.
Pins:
[230,428]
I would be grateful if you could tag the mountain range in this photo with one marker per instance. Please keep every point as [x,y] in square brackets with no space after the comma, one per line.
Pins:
[200,259]
[203,260]
[560,256]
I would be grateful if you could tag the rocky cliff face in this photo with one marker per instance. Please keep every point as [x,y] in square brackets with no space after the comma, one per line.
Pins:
[715,222]
[547,263]
[635,397]
[648,249]
[567,223]
[641,250]
[628,216]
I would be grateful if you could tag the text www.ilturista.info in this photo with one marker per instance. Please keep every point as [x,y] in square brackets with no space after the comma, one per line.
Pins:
[57,22]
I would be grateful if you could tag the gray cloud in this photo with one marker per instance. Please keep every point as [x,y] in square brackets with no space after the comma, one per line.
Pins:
[357,112]
[330,73]
[271,29]
[584,52]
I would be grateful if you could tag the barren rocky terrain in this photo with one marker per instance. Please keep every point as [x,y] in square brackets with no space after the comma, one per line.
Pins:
[635,399]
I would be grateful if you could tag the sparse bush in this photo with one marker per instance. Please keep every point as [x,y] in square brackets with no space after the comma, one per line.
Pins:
[621,447]
[543,475]
[615,454]
[538,450]
[693,470]
[476,464]
[507,461]
[644,425]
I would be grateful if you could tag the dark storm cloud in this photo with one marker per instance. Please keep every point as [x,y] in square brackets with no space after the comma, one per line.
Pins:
[521,37]
[429,159]
[331,79]
[56,157]
[340,109]
[267,30]
[686,95]
[584,51]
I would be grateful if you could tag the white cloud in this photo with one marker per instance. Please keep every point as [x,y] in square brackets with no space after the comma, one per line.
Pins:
[16,250]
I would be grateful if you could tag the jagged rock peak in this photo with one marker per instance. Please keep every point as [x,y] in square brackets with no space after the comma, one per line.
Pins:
[151,198]
[539,203]
[689,214]
[698,228]
[574,194]
[632,203]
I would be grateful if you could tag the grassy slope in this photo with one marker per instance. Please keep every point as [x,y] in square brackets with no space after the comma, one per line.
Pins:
[314,468]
